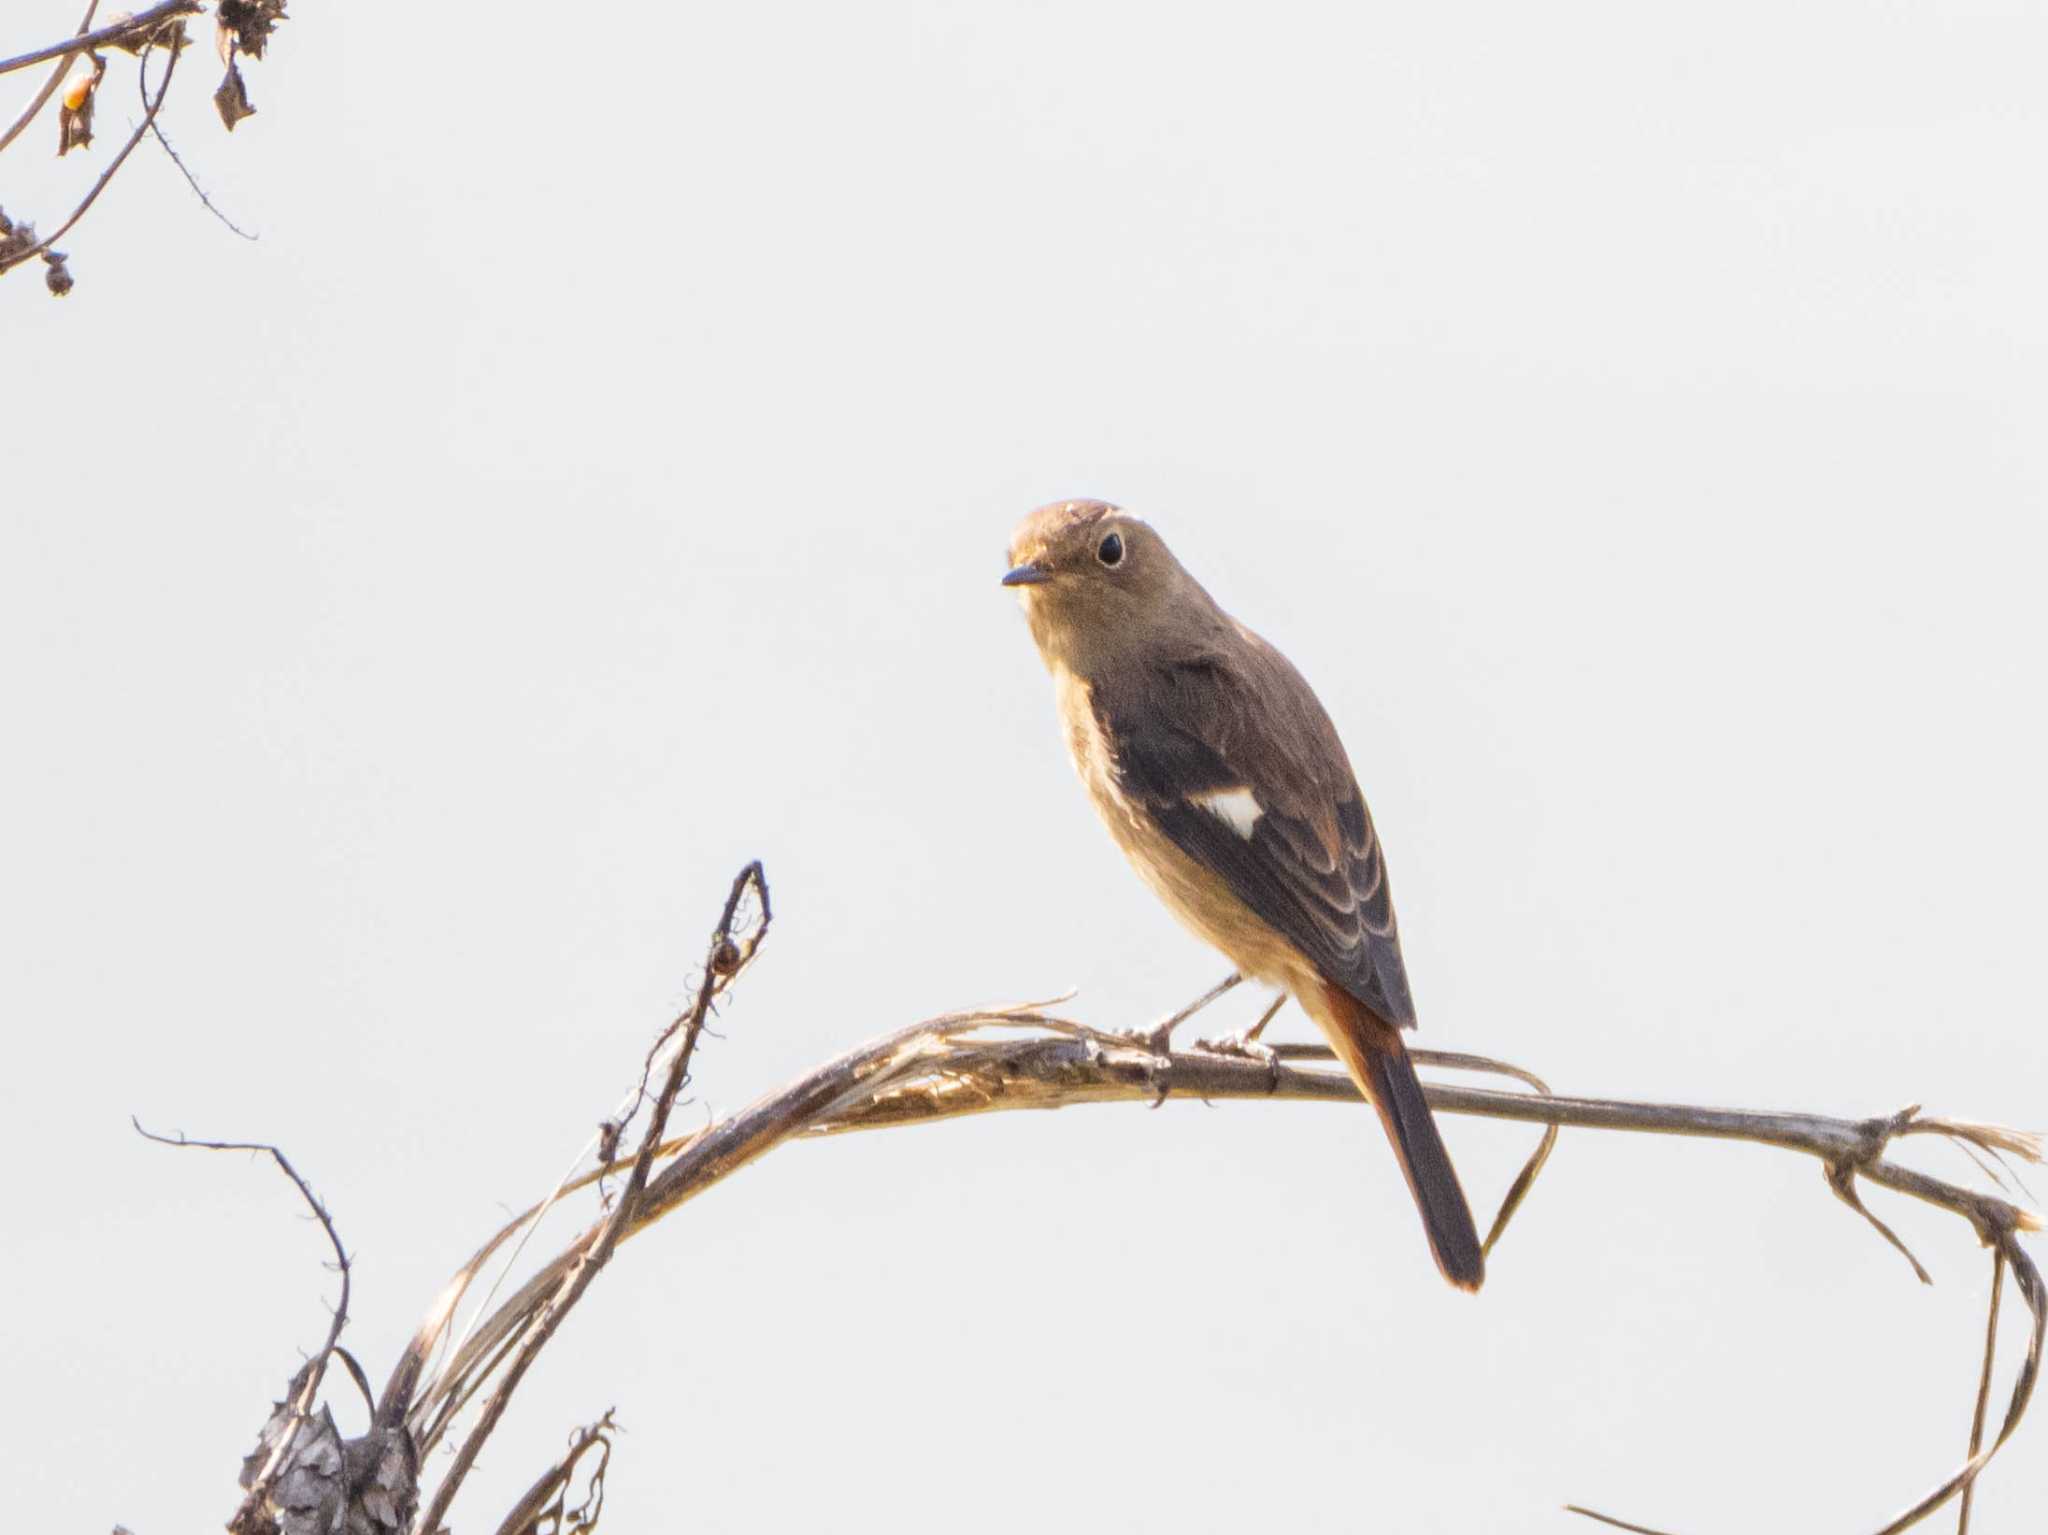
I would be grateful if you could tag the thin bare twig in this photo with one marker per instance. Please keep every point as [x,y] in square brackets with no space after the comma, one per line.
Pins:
[1525,1180]
[713,1153]
[543,1509]
[2028,1278]
[129,30]
[1841,1177]
[1609,1519]
[456,1402]
[1983,1386]
[727,957]
[192,181]
[309,1391]
[2009,1253]
[113,165]
[42,97]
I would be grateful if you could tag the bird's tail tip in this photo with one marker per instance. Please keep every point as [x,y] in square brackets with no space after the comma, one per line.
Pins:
[1419,1146]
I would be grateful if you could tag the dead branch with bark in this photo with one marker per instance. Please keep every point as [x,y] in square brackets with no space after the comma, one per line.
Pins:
[455,1386]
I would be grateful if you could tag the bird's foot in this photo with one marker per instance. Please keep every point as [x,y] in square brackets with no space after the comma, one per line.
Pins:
[1158,1040]
[1246,1046]
[1155,1044]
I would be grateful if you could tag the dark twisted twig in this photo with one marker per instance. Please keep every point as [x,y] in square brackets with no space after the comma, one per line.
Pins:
[301,1407]
[544,1507]
[726,958]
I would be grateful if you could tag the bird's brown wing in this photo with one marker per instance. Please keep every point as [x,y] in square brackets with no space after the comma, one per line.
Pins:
[1242,718]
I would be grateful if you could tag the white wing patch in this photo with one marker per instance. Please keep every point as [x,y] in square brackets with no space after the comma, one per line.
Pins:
[1239,809]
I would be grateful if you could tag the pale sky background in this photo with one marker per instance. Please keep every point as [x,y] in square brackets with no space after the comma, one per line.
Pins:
[1630,419]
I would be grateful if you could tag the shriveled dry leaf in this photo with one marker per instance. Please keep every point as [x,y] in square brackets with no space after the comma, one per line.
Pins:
[249,23]
[231,100]
[366,1486]
[74,107]
[169,33]
[16,240]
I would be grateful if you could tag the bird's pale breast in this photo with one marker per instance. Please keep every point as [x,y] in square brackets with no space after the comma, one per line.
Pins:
[1198,897]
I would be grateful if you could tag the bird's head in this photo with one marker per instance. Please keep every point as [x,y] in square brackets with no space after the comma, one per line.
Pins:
[1092,579]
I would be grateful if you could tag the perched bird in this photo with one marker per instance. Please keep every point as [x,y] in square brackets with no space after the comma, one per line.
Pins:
[1220,776]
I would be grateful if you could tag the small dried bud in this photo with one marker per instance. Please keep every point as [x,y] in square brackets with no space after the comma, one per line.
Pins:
[85,76]
[725,958]
[57,276]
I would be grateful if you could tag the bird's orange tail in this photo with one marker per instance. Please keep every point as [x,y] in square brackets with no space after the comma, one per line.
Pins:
[1372,1052]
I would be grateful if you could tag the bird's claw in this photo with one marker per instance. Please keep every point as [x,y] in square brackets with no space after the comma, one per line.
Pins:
[1157,1041]
[1245,1046]
[1157,1046]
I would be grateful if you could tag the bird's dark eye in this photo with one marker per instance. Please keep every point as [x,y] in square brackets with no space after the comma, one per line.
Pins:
[1111,550]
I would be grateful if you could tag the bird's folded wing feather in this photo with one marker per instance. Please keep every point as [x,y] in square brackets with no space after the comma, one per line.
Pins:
[1234,759]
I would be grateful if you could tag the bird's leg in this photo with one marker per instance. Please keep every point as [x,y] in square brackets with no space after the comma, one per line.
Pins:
[1159,1038]
[1247,1044]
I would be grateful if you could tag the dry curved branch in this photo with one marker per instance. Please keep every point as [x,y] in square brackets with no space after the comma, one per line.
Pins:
[991,1060]
[1025,1057]
[296,1413]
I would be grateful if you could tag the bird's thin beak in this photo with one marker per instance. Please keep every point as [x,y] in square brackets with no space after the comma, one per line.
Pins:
[1027,574]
